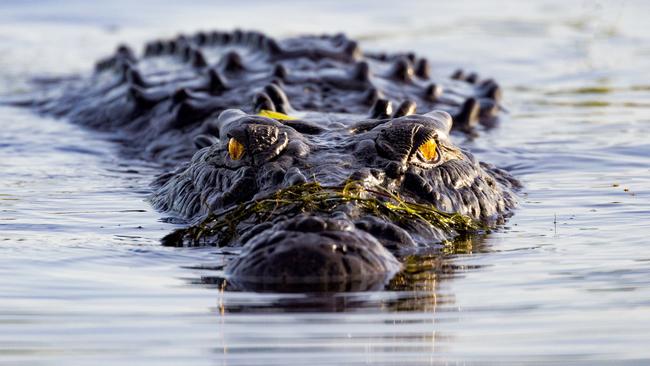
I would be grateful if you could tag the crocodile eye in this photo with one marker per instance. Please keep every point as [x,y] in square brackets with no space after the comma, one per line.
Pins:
[235,149]
[429,150]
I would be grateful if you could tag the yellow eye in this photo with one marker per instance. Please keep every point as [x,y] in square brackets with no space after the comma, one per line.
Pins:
[428,150]
[235,149]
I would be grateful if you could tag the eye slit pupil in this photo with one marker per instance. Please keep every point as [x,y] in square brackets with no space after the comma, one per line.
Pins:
[235,149]
[429,150]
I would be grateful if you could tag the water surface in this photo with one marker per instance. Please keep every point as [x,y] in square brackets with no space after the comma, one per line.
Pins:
[84,279]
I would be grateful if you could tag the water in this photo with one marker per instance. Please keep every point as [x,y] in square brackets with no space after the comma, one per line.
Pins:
[84,280]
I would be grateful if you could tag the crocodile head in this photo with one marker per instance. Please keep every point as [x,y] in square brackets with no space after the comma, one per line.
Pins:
[328,197]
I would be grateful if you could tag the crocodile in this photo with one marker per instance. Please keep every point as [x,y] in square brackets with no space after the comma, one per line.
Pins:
[293,151]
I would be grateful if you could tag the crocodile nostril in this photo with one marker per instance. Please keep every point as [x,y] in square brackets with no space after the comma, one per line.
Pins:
[308,224]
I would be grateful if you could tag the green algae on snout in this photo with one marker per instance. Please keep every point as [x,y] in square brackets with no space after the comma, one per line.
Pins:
[220,228]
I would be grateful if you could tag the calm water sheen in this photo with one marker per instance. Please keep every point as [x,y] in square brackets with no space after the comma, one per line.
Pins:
[84,280]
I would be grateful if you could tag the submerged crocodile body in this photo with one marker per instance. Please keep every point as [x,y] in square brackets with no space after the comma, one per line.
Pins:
[293,150]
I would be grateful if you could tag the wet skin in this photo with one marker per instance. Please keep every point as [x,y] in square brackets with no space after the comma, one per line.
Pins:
[407,156]
[243,117]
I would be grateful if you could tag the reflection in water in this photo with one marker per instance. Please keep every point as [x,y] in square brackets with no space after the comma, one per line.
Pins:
[412,289]
[399,323]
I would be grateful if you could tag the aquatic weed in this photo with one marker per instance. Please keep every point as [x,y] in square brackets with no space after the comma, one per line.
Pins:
[219,228]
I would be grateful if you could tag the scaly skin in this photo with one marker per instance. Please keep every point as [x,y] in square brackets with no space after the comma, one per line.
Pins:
[327,120]
[379,158]
[164,100]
